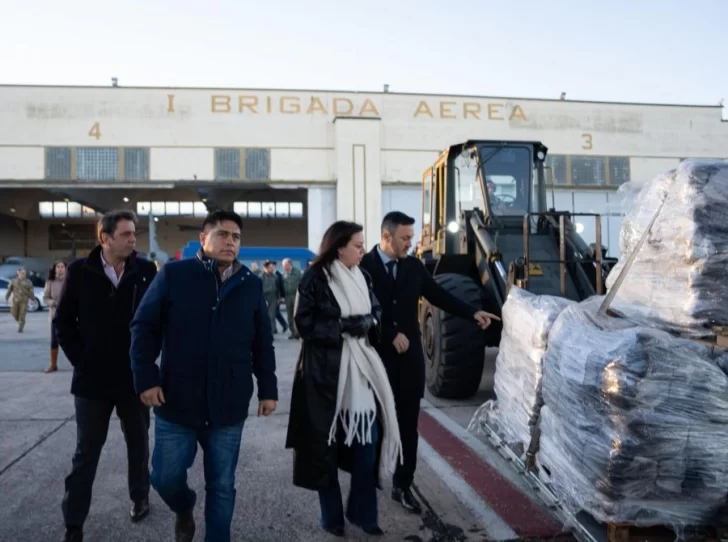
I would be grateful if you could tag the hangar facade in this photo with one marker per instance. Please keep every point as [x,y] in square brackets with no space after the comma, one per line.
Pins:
[293,161]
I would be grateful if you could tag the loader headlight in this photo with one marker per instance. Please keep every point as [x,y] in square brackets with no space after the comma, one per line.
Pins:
[579,227]
[453,227]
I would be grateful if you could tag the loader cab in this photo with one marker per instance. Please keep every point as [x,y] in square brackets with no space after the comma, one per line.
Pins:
[503,180]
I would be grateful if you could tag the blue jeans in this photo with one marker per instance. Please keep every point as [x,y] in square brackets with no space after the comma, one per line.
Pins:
[361,508]
[175,447]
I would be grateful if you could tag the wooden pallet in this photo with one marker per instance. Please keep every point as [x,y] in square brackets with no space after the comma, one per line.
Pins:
[721,336]
[624,532]
[720,340]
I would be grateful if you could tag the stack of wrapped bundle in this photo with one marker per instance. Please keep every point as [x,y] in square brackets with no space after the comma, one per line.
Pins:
[527,320]
[678,279]
[635,423]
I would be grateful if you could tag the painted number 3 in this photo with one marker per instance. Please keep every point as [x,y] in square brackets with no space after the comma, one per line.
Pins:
[587,138]
[95,131]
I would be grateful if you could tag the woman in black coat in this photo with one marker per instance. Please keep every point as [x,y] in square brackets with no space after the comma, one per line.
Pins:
[317,458]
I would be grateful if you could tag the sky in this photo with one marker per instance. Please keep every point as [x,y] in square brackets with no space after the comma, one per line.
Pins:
[635,51]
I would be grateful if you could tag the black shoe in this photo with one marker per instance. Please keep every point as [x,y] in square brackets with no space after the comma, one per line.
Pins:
[407,500]
[336,531]
[73,534]
[184,527]
[139,510]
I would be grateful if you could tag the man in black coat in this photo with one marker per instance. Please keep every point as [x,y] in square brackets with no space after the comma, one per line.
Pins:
[100,294]
[399,281]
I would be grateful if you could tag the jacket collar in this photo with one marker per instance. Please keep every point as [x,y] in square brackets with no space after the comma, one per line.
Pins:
[212,266]
[379,268]
[382,256]
[93,260]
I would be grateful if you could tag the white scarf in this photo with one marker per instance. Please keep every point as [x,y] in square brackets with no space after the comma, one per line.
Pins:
[362,377]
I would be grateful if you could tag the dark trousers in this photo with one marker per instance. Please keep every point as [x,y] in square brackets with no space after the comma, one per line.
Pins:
[290,302]
[54,337]
[279,317]
[408,416]
[361,508]
[175,447]
[272,303]
[92,426]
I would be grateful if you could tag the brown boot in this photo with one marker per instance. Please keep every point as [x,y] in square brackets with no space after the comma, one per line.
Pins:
[54,361]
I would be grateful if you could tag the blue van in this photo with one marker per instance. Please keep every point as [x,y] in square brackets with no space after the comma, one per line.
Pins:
[247,255]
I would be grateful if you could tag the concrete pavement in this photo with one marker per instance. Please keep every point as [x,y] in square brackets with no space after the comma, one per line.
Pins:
[37,437]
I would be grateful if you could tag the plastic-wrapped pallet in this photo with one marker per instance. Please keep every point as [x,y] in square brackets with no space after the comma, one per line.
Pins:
[527,320]
[635,423]
[677,280]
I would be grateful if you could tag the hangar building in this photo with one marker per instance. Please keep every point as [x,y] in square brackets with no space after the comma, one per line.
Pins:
[293,161]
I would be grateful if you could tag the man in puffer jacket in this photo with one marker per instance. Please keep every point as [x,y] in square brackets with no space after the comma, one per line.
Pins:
[209,318]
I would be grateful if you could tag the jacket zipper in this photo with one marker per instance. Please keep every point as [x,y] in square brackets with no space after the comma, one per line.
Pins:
[210,270]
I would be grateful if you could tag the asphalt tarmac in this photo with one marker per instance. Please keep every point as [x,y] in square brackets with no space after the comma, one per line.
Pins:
[37,439]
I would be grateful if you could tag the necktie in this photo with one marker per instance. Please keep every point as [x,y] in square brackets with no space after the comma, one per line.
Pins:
[390,269]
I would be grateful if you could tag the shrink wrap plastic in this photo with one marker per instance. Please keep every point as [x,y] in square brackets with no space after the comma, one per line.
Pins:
[632,420]
[678,279]
[635,423]
[527,319]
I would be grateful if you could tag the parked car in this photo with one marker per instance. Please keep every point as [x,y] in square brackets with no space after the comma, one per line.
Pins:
[34,305]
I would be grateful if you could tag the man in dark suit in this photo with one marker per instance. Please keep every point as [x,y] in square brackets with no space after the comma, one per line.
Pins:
[99,298]
[399,281]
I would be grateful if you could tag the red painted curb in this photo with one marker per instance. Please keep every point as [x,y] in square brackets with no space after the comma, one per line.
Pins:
[516,509]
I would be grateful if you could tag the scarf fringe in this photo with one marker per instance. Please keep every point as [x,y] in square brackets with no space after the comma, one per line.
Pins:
[357,426]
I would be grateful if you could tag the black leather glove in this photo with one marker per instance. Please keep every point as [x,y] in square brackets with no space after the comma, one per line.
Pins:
[357,326]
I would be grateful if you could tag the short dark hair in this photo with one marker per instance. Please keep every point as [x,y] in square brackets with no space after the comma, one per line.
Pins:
[215,217]
[337,236]
[107,224]
[394,219]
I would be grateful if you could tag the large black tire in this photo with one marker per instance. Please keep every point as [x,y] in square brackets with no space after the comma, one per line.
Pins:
[454,348]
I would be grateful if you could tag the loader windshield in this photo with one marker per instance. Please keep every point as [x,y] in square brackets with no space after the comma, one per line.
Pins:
[507,172]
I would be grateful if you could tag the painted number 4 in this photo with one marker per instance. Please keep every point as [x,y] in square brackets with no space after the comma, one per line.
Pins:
[95,131]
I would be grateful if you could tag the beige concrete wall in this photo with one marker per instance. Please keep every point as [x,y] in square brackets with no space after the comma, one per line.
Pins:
[295,119]
[356,140]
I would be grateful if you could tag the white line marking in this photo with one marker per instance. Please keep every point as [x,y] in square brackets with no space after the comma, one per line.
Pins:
[492,523]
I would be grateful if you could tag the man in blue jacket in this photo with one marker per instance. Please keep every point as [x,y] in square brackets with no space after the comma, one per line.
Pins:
[209,318]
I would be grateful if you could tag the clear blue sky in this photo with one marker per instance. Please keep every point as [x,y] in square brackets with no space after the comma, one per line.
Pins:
[637,50]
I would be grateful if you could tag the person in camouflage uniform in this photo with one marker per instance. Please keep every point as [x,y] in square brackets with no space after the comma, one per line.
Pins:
[271,291]
[291,278]
[22,291]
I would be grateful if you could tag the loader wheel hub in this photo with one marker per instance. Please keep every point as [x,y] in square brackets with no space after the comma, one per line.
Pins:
[429,338]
